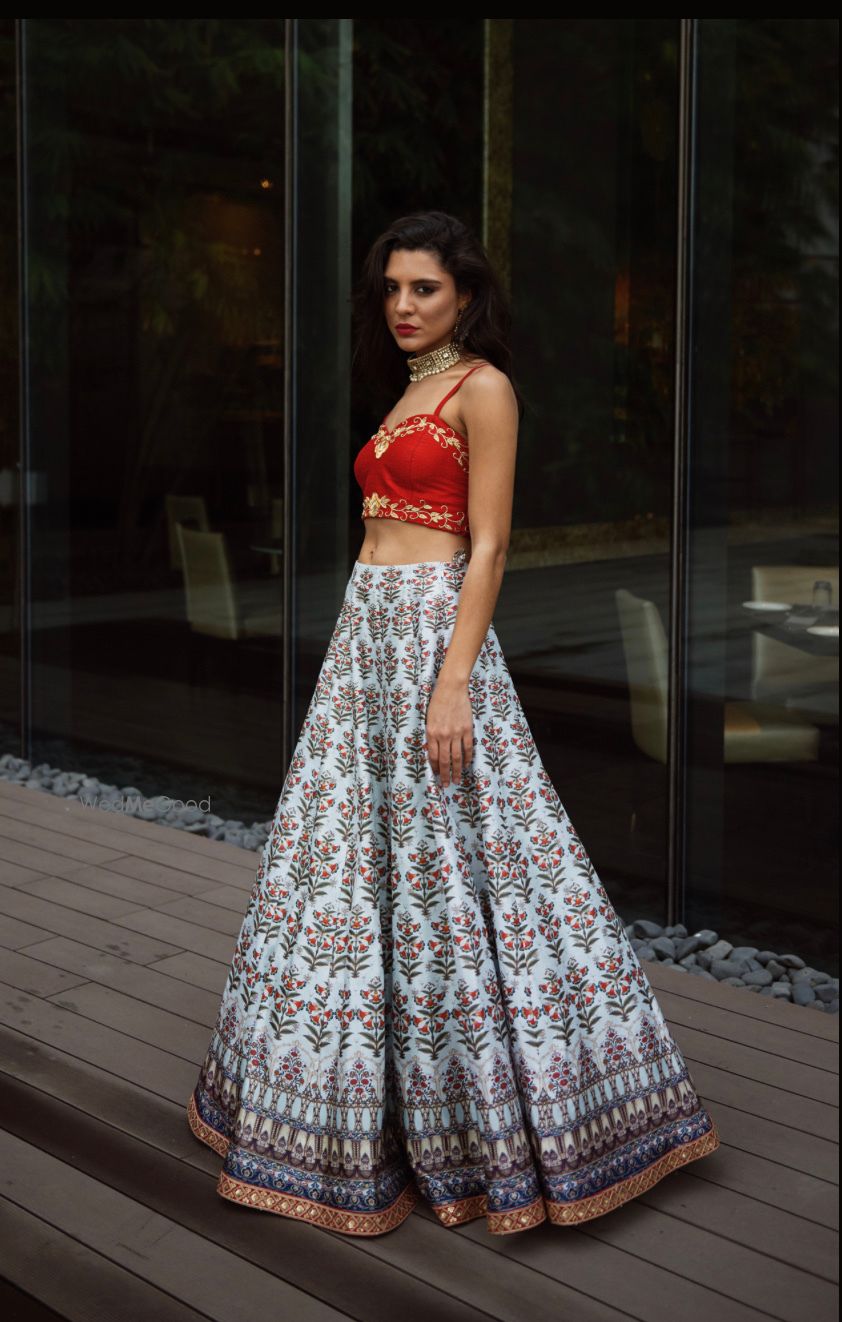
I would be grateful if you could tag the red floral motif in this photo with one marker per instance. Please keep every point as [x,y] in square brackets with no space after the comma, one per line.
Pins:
[432,979]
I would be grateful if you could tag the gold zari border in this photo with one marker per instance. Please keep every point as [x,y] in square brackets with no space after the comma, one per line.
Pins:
[563,1214]
[449,1214]
[329,1218]
[453,443]
[376,505]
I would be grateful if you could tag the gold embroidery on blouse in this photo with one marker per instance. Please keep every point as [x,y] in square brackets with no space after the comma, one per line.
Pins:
[444,435]
[377,506]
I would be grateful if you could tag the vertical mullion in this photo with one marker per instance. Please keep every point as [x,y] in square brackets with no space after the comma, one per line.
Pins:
[291,274]
[678,593]
[24,397]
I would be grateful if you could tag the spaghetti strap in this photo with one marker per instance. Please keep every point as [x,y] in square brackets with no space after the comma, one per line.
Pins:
[461,380]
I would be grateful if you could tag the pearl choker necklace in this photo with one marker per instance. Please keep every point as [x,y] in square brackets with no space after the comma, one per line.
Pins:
[437,360]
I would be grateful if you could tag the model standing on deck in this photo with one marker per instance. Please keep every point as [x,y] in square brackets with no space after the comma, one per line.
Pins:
[431,994]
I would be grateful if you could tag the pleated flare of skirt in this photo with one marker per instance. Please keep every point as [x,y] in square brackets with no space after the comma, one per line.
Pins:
[431,995]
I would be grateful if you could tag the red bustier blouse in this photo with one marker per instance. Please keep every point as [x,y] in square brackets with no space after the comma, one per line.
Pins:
[417,471]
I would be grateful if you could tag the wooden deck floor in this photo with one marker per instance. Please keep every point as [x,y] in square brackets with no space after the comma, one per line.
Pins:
[116,938]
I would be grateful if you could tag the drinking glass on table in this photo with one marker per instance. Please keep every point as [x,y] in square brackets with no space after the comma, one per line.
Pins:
[822,594]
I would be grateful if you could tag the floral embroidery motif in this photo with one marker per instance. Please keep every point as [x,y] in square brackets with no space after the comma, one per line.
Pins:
[431,994]
[378,506]
[446,437]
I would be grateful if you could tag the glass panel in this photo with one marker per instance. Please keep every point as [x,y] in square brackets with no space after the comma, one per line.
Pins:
[418,142]
[320,350]
[580,207]
[155,262]
[574,193]
[10,703]
[762,793]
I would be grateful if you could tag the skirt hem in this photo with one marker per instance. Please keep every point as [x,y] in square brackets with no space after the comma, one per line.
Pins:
[449,1214]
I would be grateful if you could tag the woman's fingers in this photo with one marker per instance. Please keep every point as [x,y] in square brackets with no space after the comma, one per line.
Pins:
[449,755]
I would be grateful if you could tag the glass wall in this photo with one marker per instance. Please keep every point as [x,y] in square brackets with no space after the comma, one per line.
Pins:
[10,561]
[196,197]
[153,259]
[588,178]
[318,454]
[574,192]
[762,792]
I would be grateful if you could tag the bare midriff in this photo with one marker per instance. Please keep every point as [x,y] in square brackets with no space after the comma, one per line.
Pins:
[395,542]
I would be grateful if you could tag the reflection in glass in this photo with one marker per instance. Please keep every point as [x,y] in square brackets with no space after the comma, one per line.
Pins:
[154,254]
[10,601]
[762,791]
[581,200]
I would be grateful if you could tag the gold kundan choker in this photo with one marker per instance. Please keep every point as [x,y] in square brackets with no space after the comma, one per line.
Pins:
[437,360]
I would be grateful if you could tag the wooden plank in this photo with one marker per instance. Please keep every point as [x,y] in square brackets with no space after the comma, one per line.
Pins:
[15,934]
[182,934]
[15,874]
[80,963]
[737,999]
[150,1068]
[205,1276]
[36,848]
[228,897]
[92,832]
[762,1066]
[741,1129]
[34,976]
[142,1022]
[368,1284]
[82,898]
[619,1279]
[760,1279]
[786,1041]
[160,870]
[765,1102]
[688,1270]
[56,920]
[202,913]
[148,877]
[75,1281]
[60,814]
[803,1244]
[91,1087]
[195,970]
[773,1183]
[110,881]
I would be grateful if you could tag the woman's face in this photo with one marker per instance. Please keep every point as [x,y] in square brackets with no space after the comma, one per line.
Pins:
[420,300]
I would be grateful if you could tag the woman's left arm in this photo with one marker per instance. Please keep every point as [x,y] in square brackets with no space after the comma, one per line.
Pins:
[491,414]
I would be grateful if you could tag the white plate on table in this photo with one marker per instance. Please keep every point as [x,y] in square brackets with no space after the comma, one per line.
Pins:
[767,606]
[824,630]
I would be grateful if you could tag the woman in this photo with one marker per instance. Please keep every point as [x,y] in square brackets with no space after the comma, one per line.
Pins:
[431,995]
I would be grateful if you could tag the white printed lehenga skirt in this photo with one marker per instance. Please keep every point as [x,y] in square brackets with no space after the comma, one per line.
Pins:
[431,995]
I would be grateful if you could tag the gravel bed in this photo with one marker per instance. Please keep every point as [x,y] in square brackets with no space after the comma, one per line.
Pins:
[704,954]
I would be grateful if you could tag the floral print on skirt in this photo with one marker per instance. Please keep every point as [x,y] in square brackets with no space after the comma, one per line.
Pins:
[431,995]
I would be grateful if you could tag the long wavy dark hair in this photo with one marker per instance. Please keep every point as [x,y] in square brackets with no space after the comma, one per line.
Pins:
[486,322]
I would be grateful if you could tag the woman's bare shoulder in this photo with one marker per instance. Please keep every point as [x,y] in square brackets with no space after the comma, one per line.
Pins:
[491,384]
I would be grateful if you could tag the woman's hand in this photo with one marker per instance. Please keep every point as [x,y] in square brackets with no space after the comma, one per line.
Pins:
[450,730]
